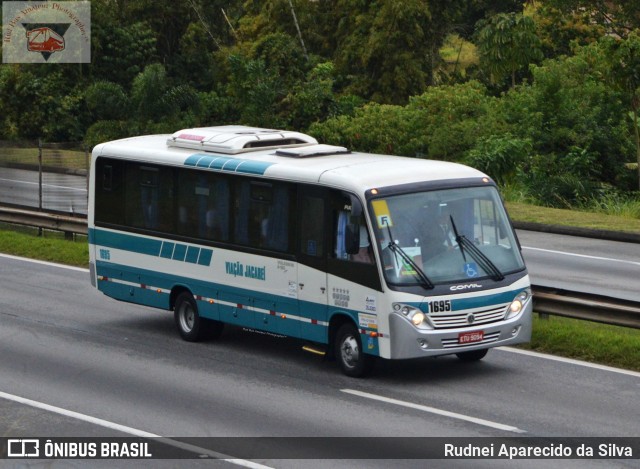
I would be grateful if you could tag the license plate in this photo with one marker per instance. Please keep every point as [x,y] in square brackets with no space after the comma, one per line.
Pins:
[470,337]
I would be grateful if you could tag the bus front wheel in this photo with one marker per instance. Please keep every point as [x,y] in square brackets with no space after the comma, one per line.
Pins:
[348,351]
[191,326]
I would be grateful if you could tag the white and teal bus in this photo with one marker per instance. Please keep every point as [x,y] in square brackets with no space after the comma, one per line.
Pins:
[358,255]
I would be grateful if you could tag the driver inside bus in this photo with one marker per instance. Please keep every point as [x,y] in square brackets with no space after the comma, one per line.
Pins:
[364,253]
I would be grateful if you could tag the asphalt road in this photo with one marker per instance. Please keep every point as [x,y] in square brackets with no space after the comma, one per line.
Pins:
[582,264]
[66,345]
[61,192]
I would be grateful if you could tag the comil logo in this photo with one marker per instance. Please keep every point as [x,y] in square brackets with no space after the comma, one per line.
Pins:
[46,32]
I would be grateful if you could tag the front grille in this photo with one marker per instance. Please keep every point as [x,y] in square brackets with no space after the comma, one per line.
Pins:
[461,319]
[453,343]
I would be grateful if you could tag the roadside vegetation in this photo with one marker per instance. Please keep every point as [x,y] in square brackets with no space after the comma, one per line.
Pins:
[50,246]
[543,96]
[588,341]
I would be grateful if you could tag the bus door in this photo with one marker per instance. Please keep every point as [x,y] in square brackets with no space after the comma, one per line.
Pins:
[312,262]
[354,282]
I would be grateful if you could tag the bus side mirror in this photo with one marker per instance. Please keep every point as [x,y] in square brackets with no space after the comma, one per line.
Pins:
[352,239]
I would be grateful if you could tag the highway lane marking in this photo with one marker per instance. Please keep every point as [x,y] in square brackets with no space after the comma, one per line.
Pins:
[131,431]
[45,185]
[50,264]
[571,361]
[433,410]
[583,255]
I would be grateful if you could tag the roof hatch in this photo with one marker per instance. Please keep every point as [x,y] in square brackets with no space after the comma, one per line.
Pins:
[234,139]
[309,151]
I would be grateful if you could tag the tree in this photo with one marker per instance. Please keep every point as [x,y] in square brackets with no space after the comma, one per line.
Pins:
[507,43]
[625,70]
[618,18]
[383,48]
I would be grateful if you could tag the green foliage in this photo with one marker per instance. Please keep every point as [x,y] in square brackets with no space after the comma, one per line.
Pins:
[625,69]
[561,31]
[50,247]
[370,76]
[256,90]
[106,130]
[583,340]
[107,101]
[120,52]
[508,43]
[499,156]
[442,123]
[560,181]
[312,99]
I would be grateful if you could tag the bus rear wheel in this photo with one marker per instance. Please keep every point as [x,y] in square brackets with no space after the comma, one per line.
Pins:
[191,326]
[473,355]
[348,351]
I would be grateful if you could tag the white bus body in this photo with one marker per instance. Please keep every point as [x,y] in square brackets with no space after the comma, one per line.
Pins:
[367,255]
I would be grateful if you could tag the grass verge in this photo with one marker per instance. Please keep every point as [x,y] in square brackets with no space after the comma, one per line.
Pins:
[51,247]
[556,216]
[588,341]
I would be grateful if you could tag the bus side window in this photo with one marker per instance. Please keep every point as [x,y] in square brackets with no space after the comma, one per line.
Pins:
[149,197]
[262,215]
[352,240]
[110,192]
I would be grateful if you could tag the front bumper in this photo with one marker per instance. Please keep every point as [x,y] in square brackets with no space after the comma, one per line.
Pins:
[407,341]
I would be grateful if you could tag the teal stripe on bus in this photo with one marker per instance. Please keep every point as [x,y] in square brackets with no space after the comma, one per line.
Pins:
[227,164]
[127,242]
[151,247]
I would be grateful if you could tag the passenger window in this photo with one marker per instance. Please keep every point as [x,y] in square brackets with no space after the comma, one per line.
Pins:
[203,206]
[262,215]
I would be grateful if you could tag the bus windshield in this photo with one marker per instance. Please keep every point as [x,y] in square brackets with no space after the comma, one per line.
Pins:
[451,235]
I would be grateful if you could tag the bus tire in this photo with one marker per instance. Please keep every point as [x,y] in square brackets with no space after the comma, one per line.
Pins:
[348,351]
[191,326]
[473,355]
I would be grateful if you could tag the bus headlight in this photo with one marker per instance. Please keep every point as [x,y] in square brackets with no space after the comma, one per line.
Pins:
[417,318]
[414,315]
[517,304]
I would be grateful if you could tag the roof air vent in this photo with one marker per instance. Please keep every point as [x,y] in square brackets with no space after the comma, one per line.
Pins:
[234,139]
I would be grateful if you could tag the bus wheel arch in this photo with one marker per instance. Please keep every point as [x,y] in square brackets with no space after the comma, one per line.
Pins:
[345,346]
[191,326]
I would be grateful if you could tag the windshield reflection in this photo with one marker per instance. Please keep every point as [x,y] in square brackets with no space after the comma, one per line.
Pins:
[453,235]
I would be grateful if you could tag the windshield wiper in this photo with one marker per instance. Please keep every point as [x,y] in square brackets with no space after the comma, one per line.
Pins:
[407,258]
[480,257]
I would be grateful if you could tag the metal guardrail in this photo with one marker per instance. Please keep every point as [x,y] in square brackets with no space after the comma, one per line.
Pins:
[546,300]
[586,306]
[42,219]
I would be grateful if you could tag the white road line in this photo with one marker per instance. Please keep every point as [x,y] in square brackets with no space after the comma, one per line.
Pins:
[433,410]
[571,361]
[46,185]
[131,431]
[609,259]
[50,264]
